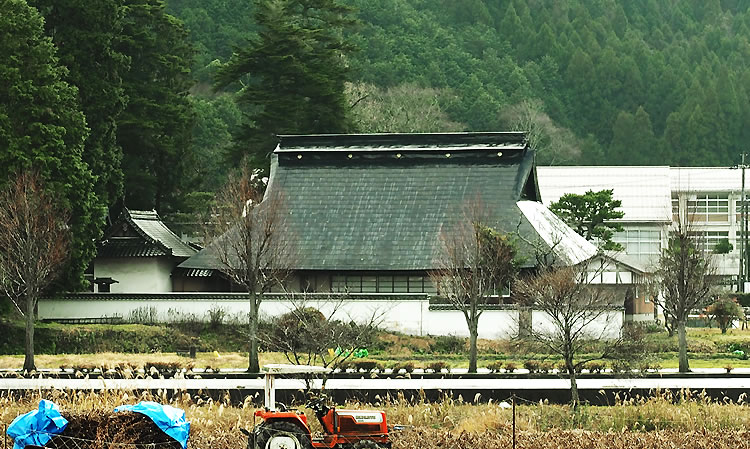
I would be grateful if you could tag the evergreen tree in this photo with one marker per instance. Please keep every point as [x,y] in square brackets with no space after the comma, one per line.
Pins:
[591,215]
[293,74]
[42,127]
[154,130]
[84,32]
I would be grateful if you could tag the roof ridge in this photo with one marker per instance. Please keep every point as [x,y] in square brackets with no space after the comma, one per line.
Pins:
[129,218]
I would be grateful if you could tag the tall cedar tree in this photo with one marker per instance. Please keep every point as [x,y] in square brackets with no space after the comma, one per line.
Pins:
[292,72]
[154,130]
[84,32]
[42,126]
[591,215]
[34,237]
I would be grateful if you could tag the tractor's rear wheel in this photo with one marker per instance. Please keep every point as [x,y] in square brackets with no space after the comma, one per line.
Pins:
[282,435]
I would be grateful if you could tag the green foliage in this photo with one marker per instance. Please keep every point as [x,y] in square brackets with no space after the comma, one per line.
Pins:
[590,216]
[723,247]
[84,32]
[292,74]
[725,311]
[154,130]
[448,344]
[42,126]
[639,82]
[743,299]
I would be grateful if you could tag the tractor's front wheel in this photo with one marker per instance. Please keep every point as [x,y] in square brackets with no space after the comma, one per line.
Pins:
[282,435]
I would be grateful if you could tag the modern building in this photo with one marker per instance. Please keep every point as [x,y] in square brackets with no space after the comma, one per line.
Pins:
[654,199]
[708,200]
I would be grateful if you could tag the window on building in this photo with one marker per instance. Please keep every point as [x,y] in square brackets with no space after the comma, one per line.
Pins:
[738,209]
[675,209]
[640,242]
[356,283]
[709,239]
[709,207]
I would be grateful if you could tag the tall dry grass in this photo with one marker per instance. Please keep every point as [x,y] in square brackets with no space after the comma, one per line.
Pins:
[668,420]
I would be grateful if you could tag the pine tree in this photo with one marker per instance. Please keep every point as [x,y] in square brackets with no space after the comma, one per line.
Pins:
[42,127]
[293,74]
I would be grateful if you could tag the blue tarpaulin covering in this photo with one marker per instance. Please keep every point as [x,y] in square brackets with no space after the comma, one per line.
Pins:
[169,419]
[37,427]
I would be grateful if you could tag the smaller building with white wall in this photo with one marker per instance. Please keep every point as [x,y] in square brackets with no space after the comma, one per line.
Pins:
[137,254]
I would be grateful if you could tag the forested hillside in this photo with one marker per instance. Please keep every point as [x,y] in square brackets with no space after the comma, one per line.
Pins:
[604,81]
[149,103]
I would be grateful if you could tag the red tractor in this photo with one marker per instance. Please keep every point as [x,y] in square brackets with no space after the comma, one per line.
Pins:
[288,429]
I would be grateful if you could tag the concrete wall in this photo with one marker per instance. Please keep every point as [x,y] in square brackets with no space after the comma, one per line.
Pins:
[136,274]
[410,316]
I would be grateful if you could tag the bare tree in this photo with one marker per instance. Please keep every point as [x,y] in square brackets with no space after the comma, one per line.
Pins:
[402,108]
[34,240]
[307,336]
[474,263]
[254,248]
[578,312]
[686,276]
[555,144]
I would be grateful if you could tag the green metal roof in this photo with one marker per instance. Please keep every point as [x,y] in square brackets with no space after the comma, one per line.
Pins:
[378,202]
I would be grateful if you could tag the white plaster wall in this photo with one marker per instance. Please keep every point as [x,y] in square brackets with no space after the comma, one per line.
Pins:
[136,274]
[607,326]
[407,316]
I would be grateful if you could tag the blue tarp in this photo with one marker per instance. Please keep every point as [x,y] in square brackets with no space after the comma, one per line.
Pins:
[38,426]
[169,419]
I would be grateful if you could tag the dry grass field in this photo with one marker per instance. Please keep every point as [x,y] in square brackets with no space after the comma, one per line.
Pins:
[685,421]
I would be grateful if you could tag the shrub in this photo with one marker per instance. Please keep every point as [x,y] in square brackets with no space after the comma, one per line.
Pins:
[546,367]
[531,365]
[448,344]
[495,367]
[438,366]
[621,367]
[407,367]
[510,367]
[594,367]
[725,311]
[366,365]
[216,316]
[143,315]
[165,369]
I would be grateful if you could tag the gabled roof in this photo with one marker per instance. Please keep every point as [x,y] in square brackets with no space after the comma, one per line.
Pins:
[644,191]
[378,202]
[138,233]
[707,179]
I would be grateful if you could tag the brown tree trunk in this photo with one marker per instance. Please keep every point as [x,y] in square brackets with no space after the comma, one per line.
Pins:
[253,362]
[473,332]
[28,362]
[682,337]
[574,398]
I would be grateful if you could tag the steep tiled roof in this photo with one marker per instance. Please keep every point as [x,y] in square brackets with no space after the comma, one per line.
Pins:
[378,202]
[142,234]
